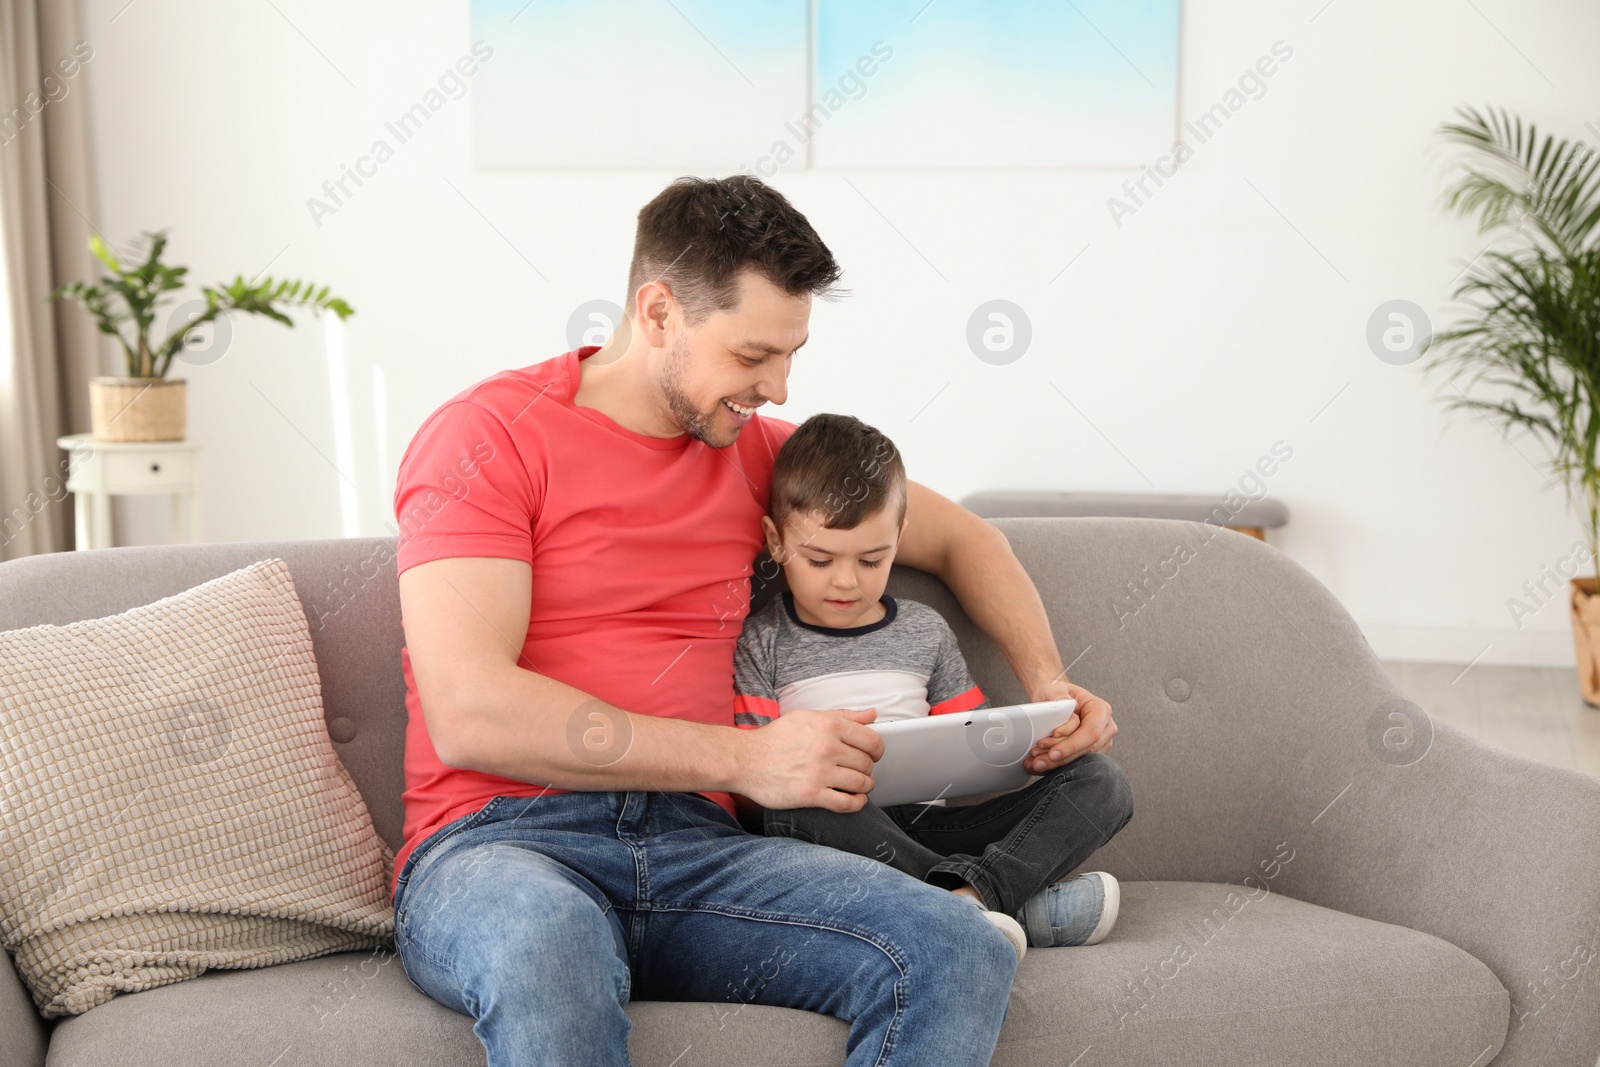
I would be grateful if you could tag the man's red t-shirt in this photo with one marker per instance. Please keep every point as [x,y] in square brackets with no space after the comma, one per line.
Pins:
[641,549]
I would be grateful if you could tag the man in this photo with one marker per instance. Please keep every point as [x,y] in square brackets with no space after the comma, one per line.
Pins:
[576,540]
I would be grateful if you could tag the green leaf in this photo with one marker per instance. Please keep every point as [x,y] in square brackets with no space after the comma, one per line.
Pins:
[102,253]
[1531,329]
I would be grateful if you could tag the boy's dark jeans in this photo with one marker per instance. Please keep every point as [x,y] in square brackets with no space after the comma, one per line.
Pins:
[1007,847]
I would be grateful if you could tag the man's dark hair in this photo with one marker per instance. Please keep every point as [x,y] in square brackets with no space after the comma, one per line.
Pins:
[699,233]
[840,466]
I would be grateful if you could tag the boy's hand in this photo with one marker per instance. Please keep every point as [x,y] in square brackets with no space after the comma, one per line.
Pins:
[1037,760]
[1089,729]
[809,758]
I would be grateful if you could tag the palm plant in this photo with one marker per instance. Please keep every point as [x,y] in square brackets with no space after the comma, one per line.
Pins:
[1534,328]
[131,294]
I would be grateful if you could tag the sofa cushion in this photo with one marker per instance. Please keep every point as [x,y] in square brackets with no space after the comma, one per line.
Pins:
[172,801]
[1265,980]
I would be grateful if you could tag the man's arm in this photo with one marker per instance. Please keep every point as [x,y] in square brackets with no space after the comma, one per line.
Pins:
[465,622]
[973,558]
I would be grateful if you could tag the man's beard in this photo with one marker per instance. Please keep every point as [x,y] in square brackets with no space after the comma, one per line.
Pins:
[698,424]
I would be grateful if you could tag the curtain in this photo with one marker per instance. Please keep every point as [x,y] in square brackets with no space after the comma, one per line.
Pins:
[47,199]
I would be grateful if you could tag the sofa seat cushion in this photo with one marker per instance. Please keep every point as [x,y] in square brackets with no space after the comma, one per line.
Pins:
[1253,979]
[1197,973]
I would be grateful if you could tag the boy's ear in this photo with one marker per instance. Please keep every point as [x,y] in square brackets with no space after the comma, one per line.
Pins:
[774,547]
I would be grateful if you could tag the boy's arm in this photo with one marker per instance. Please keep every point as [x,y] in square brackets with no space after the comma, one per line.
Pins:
[951,689]
[974,560]
[755,703]
[755,694]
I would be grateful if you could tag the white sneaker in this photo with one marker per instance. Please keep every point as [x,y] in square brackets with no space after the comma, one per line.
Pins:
[1006,924]
[1078,911]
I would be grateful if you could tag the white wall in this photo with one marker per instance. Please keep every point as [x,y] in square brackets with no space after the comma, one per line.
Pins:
[1221,317]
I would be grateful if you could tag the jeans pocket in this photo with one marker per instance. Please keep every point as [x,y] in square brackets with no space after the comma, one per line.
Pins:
[430,845]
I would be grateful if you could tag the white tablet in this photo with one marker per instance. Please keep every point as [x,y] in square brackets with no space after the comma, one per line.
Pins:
[957,755]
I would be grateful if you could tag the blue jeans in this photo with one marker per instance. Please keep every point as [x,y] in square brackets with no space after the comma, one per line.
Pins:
[540,917]
[1007,847]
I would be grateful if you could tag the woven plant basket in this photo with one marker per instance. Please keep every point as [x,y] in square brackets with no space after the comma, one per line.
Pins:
[138,409]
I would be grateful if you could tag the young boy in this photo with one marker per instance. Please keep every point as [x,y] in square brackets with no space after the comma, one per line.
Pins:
[833,639]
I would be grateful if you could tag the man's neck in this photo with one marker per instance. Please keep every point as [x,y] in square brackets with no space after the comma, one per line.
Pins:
[615,381]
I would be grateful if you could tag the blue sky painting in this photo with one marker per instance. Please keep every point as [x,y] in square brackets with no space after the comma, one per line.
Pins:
[698,86]
[715,86]
[1000,83]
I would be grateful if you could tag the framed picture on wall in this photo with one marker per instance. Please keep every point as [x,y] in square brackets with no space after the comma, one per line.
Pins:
[761,85]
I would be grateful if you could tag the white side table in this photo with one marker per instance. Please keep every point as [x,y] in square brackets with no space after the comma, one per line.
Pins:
[110,467]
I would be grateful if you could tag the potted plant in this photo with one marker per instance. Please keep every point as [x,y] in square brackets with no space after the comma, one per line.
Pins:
[146,405]
[1533,329]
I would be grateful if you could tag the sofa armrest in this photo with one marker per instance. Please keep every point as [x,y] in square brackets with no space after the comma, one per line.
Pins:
[24,1033]
[1492,852]
[1267,746]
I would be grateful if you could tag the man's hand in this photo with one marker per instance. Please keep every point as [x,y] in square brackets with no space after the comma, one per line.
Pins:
[807,758]
[1090,729]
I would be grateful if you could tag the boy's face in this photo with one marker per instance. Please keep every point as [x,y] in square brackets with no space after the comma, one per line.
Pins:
[836,576]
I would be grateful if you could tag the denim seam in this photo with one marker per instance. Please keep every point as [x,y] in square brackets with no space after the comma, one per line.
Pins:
[1022,832]
[892,1031]
[787,919]
[1036,919]
[973,873]
[982,866]
[418,947]
[430,847]
[627,985]
[1016,797]
[641,882]
[860,933]
[430,843]
[605,903]
[635,807]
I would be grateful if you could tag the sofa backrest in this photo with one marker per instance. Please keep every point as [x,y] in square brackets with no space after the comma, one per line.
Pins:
[350,593]
[1190,652]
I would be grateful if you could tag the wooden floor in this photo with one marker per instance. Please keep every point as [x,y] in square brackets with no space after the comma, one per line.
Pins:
[1533,711]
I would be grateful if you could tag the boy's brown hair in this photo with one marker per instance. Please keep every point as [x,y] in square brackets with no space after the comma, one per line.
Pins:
[840,466]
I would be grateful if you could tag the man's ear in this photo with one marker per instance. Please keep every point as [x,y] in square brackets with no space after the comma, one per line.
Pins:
[654,307]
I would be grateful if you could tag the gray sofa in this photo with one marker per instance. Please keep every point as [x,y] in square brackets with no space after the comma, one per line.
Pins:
[1315,873]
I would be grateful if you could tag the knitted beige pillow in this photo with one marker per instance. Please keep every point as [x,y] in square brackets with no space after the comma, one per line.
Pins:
[170,800]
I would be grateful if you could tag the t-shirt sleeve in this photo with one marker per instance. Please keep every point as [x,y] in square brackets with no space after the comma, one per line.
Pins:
[464,489]
[950,687]
[755,698]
